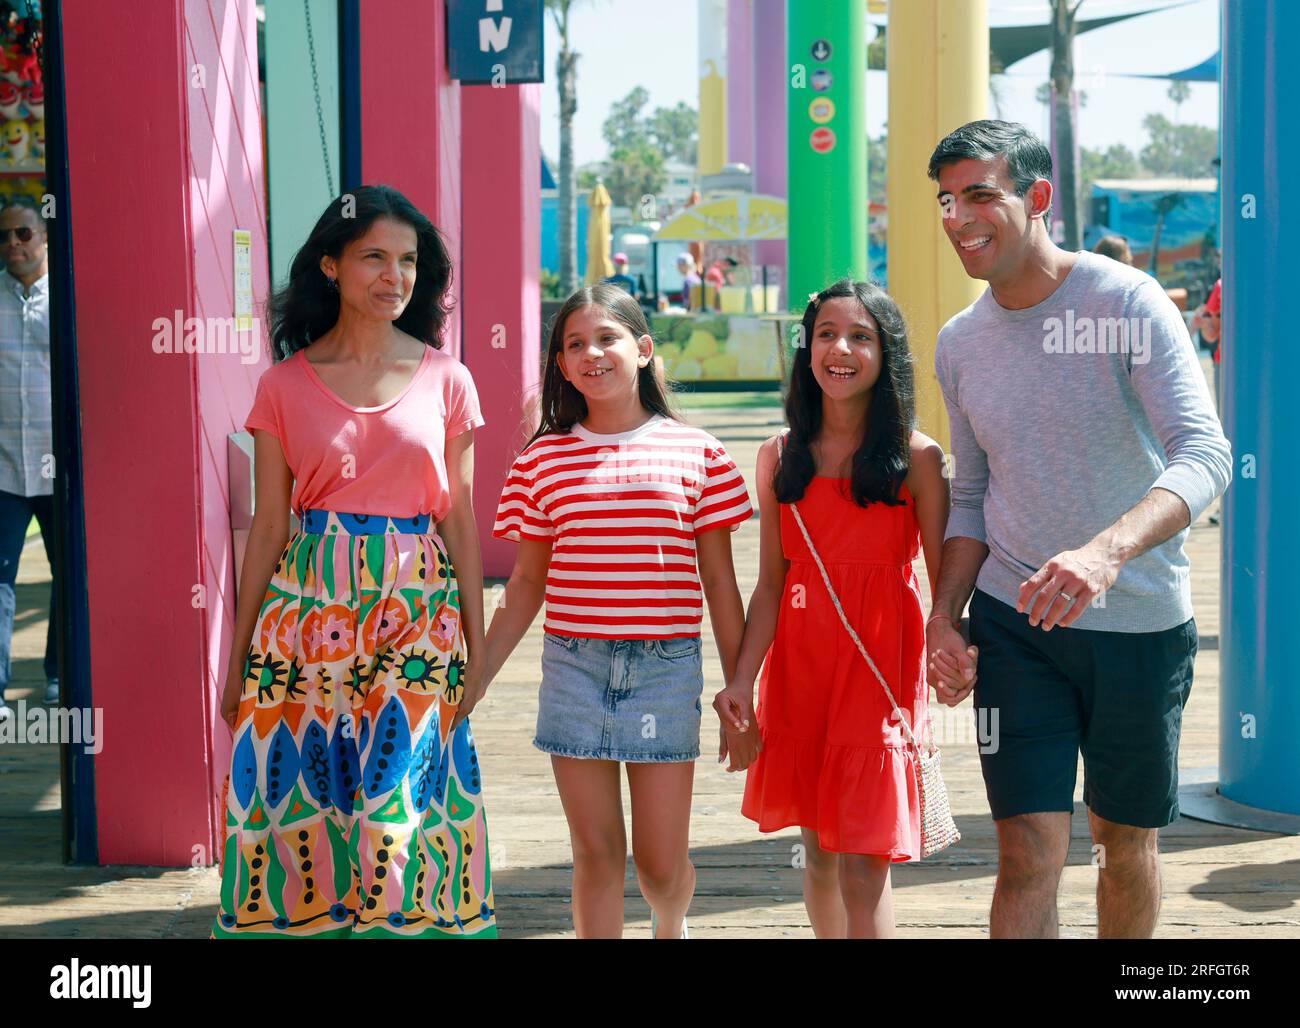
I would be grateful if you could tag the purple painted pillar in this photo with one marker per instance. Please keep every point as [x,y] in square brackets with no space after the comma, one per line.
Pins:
[769,118]
[740,82]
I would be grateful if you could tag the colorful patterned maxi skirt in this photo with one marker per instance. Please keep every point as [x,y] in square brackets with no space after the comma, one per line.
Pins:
[349,811]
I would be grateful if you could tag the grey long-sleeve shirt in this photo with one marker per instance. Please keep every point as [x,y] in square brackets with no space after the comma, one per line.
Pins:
[1063,416]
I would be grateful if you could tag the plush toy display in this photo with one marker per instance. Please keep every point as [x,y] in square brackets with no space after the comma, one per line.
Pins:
[10,100]
[22,90]
[17,137]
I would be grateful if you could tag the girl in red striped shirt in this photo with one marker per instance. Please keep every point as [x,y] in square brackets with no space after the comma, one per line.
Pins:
[622,515]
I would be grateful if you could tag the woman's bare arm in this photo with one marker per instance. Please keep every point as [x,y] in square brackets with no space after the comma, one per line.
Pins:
[459,532]
[267,536]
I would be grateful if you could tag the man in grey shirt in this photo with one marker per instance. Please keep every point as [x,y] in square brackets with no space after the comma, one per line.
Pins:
[1084,444]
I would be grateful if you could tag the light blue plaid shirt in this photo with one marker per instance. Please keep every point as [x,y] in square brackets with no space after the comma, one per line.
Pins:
[26,432]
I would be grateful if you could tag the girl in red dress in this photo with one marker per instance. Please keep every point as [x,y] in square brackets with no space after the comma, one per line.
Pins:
[829,755]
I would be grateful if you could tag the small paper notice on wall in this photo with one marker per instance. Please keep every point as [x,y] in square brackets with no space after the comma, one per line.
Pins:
[243,280]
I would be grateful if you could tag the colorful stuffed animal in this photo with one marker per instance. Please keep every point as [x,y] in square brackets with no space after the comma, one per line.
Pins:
[34,98]
[16,139]
[10,100]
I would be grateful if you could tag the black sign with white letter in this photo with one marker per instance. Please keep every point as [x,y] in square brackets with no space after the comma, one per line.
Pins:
[495,42]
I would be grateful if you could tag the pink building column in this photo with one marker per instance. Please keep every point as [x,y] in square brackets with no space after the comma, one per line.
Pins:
[159,562]
[501,163]
[410,118]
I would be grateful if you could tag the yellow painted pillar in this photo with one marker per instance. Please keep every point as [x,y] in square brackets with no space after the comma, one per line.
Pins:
[712,153]
[938,63]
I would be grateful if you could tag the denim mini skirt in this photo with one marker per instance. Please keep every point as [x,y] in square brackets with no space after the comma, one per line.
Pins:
[635,700]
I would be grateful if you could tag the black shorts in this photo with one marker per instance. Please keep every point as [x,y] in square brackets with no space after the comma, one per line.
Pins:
[1042,697]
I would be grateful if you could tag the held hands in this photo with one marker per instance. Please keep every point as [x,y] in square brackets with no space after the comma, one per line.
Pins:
[476,686]
[738,735]
[951,668]
[1066,585]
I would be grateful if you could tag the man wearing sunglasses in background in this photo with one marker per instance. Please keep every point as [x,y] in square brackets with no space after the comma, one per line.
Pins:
[26,431]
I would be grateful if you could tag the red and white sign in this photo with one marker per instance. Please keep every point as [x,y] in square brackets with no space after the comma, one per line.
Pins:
[822,140]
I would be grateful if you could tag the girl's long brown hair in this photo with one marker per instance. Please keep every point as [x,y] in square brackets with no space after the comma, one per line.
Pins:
[562,406]
[883,456]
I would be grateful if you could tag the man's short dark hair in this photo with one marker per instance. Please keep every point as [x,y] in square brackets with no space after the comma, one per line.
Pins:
[23,200]
[1028,158]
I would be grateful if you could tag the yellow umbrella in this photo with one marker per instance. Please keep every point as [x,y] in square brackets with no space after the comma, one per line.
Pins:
[599,266]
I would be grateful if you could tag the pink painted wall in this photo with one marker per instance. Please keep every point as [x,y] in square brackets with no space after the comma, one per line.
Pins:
[472,163]
[226,192]
[500,298]
[154,426]
[410,117]
[148,220]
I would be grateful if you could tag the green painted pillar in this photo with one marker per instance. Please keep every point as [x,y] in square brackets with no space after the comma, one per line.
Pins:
[827,124]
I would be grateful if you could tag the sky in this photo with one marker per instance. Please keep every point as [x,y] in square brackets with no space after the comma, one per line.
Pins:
[621,47]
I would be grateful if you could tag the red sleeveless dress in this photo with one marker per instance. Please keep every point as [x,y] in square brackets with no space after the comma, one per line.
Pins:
[834,758]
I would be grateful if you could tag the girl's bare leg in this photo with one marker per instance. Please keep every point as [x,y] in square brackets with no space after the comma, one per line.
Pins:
[661,821]
[868,898]
[593,806]
[821,889]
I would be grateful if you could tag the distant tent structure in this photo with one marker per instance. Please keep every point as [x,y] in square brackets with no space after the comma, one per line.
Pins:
[1011,43]
[1206,71]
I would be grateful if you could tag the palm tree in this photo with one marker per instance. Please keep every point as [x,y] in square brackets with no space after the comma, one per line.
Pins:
[566,75]
[1062,74]
[1179,92]
[1164,206]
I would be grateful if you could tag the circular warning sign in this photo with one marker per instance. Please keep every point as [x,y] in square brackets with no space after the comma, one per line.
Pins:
[821,80]
[823,140]
[821,110]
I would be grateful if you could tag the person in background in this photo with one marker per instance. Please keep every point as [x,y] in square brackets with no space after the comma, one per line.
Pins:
[719,275]
[620,277]
[26,427]
[1207,321]
[720,271]
[1116,248]
[690,277]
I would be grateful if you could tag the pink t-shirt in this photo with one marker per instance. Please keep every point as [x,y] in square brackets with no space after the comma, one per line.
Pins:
[367,460]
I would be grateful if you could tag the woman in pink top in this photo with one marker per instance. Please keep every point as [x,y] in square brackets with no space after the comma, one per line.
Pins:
[354,804]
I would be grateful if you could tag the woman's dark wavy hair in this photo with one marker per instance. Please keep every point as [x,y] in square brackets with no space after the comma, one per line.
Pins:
[562,406]
[308,307]
[883,458]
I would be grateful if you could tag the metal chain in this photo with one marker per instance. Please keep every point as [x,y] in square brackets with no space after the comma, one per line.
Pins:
[315,85]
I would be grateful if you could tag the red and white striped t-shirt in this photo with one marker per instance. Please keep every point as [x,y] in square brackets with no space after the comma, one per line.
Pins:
[623,512]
